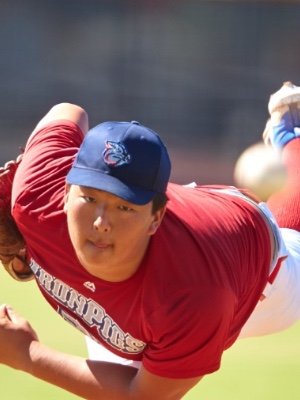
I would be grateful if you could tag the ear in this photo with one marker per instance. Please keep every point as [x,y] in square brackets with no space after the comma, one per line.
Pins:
[66,197]
[156,221]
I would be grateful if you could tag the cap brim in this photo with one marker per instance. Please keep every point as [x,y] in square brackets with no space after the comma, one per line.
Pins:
[101,181]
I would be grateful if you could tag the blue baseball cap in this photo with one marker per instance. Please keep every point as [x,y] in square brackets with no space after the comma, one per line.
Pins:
[126,159]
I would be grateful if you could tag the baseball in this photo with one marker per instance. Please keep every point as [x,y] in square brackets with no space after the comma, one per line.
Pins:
[260,170]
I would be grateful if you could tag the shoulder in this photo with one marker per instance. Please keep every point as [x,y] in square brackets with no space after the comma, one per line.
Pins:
[64,111]
[47,158]
[60,133]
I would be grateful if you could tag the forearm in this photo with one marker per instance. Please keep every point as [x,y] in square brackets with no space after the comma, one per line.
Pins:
[85,378]
[20,349]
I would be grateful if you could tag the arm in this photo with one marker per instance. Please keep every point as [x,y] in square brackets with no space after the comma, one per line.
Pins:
[20,349]
[70,112]
[12,253]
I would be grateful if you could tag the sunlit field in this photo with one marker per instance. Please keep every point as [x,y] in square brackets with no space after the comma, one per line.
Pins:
[262,368]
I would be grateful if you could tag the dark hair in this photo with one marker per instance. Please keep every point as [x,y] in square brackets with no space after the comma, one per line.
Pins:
[159,201]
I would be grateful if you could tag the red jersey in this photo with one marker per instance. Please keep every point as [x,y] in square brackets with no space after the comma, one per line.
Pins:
[199,281]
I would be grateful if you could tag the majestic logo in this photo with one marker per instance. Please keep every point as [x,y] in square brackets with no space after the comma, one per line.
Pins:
[90,285]
[115,154]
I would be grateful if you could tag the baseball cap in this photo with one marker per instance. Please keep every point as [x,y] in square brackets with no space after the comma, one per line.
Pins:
[126,159]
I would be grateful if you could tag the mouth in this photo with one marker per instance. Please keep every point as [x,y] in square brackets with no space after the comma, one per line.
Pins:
[101,245]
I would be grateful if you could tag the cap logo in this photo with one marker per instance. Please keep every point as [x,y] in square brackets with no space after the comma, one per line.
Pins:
[115,154]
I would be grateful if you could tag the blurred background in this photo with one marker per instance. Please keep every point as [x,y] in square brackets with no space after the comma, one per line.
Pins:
[200,73]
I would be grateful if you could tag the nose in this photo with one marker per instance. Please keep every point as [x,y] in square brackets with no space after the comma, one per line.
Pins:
[102,223]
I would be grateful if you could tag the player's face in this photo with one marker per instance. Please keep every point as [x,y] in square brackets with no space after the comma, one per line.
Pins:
[109,235]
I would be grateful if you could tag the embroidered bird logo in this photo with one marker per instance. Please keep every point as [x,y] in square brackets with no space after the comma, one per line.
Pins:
[115,154]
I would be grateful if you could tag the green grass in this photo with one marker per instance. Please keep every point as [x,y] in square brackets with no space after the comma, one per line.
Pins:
[266,368]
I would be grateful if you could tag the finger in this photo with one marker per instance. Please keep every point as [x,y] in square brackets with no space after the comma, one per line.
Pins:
[16,318]
[12,314]
[3,310]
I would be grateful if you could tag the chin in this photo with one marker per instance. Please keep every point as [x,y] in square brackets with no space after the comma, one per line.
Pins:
[91,266]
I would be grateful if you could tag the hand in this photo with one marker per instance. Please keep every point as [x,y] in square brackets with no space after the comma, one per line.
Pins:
[16,336]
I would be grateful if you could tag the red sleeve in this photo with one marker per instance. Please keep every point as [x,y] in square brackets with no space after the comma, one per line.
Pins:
[193,329]
[46,161]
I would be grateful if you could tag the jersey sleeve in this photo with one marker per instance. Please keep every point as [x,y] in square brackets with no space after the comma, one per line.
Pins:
[191,333]
[46,161]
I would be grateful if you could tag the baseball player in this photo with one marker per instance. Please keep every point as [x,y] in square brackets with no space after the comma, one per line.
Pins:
[160,278]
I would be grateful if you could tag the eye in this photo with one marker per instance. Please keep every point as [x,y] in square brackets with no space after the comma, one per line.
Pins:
[125,208]
[89,199]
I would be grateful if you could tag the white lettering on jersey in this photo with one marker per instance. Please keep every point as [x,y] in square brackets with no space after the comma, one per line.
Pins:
[89,312]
